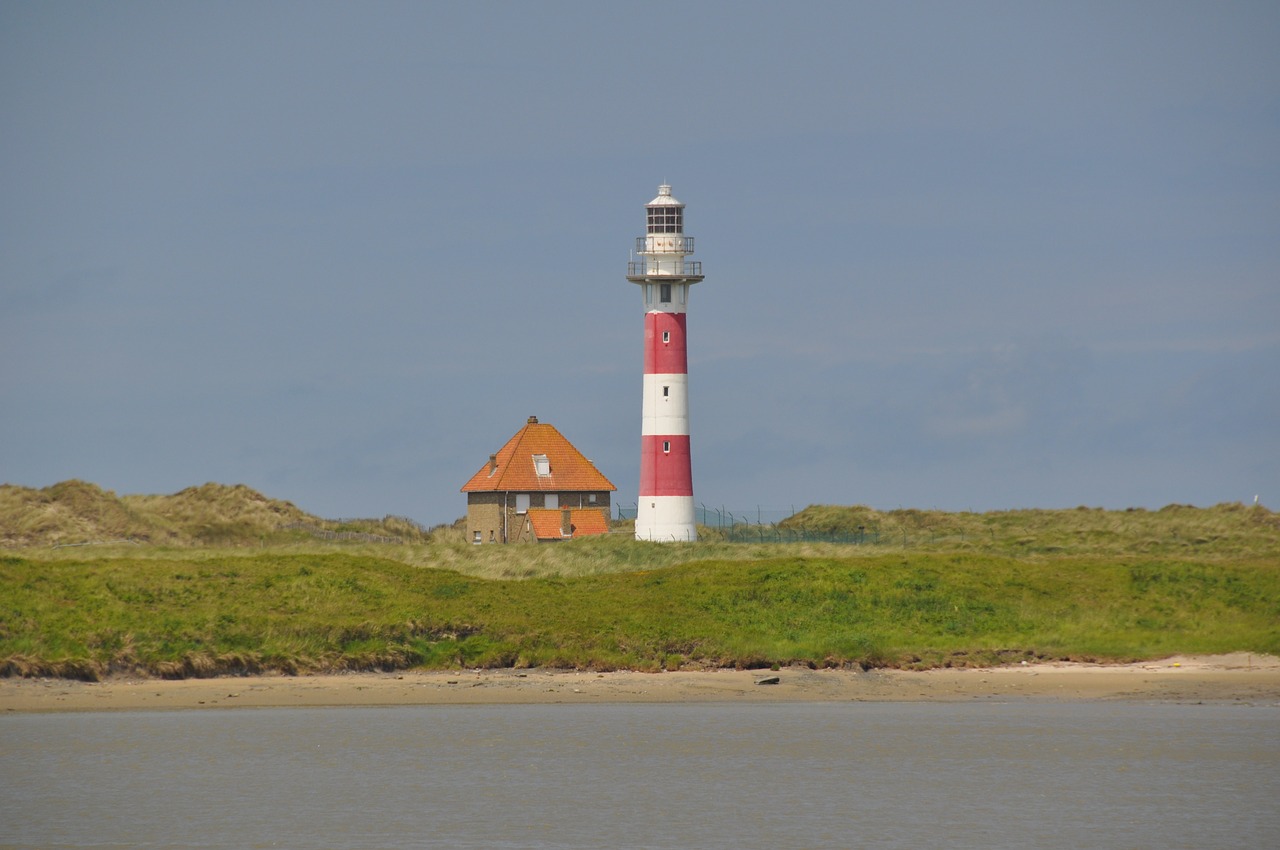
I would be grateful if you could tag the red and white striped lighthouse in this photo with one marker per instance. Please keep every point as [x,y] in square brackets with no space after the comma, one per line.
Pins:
[665,510]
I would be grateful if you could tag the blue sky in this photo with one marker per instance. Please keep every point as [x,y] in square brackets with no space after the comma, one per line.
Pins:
[971,256]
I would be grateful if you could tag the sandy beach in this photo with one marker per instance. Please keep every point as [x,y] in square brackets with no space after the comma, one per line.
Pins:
[1239,677]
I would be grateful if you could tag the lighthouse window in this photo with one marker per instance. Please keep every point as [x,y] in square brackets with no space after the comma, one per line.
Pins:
[666,447]
[666,391]
[664,293]
[666,219]
[666,336]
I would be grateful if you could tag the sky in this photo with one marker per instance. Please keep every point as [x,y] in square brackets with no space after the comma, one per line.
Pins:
[959,256]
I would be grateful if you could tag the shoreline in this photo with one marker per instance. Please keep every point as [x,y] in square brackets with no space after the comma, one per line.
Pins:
[1237,677]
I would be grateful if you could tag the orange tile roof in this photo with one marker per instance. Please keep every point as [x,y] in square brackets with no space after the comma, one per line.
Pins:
[516,468]
[584,521]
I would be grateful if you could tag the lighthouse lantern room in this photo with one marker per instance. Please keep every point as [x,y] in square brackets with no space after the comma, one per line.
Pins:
[665,511]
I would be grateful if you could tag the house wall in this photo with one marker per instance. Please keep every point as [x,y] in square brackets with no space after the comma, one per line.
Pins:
[484,513]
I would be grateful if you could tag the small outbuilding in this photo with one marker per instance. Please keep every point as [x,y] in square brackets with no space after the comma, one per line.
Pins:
[537,487]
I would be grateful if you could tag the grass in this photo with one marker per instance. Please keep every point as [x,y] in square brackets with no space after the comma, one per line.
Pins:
[227,590]
[302,612]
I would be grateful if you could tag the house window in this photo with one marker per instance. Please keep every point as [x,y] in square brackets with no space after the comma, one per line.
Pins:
[551,500]
[476,538]
[666,337]
[664,293]
[591,498]
[666,447]
[542,465]
[522,503]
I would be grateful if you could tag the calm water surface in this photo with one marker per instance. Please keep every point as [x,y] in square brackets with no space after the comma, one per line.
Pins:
[909,775]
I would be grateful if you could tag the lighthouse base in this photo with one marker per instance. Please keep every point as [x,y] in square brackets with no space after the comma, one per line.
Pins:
[666,519]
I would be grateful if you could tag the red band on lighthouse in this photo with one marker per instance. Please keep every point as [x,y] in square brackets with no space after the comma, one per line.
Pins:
[665,466]
[664,346]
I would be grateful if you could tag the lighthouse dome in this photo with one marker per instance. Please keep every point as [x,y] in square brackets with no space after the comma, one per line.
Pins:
[664,198]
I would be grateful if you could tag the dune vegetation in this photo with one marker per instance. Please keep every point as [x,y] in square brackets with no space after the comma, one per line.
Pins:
[230,583]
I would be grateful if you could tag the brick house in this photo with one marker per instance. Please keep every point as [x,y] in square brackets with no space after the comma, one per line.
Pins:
[537,487]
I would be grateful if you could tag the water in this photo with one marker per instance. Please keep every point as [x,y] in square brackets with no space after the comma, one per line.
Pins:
[891,775]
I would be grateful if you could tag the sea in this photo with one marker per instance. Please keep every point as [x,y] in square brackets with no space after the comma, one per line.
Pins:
[1029,774]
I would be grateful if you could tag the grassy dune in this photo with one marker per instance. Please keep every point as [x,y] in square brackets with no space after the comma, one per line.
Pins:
[1226,530]
[77,513]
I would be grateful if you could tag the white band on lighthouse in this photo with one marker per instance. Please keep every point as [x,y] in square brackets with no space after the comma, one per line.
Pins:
[665,511]
[666,405]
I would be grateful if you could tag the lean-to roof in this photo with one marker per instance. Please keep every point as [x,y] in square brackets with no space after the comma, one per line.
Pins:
[547,522]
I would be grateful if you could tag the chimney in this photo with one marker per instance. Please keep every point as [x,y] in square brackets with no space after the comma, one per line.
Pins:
[493,464]
[566,523]
[533,420]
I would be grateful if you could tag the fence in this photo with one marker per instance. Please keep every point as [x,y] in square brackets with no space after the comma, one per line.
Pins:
[722,517]
[761,525]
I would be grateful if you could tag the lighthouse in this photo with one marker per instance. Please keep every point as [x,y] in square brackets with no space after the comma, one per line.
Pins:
[665,509]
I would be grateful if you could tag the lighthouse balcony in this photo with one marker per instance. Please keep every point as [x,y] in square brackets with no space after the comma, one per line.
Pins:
[642,270]
[665,244]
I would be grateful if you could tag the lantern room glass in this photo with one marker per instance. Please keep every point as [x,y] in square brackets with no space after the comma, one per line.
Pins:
[666,219]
